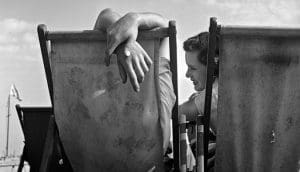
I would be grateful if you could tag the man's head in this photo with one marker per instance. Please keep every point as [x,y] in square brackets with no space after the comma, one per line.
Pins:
[196,48]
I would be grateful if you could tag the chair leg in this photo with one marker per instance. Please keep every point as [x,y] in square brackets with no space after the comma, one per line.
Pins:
[183,146]
[22,159]
[48,146]
[200,144]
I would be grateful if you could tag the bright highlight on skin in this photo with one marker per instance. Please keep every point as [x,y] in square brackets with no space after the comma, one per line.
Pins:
[127,53]
[98,93]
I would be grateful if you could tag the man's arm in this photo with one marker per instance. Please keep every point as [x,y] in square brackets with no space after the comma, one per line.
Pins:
[132,58]
[126,29]
[106,18]
[189,109]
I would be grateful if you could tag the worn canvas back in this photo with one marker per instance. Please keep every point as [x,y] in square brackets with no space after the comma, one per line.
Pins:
[259,100]
[35,121]
[103,124]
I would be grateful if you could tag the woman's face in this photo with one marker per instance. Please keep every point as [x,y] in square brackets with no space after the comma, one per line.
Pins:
[196,71]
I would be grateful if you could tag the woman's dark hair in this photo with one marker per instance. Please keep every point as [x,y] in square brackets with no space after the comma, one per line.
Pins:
[200,43]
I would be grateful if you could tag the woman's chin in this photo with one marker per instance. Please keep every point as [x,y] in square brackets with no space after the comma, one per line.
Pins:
[198,88]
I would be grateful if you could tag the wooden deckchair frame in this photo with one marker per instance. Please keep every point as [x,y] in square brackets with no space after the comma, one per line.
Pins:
[202,122]
[45,38]
[211,65]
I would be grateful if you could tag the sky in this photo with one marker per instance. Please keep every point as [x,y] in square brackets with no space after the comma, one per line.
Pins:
[20,57]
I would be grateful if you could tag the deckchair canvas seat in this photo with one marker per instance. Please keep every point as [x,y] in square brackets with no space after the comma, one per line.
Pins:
[103,123]
[259,105]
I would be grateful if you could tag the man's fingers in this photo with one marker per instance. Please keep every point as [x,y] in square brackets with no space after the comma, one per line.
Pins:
[148,60]
[138,70]
[132,76]
[122,72]
[144,65]
[146,57]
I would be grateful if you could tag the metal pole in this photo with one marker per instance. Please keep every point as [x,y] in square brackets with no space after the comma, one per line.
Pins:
[7,131]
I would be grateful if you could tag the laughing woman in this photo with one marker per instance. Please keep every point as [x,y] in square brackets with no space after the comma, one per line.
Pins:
[196,49]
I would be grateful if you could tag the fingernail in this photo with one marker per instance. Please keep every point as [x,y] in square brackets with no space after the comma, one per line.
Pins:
[141,80]
[138,89]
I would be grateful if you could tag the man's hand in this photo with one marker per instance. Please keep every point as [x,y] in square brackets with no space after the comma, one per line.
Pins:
[124,30]
[134,61]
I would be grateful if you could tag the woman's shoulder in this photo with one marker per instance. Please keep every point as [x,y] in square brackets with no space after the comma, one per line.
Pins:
[215,96]
[199,99]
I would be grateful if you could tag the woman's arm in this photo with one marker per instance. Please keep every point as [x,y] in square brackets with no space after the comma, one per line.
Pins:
[189,108]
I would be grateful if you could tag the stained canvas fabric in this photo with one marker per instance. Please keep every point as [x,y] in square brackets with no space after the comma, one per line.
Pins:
[103,124]
[259,101]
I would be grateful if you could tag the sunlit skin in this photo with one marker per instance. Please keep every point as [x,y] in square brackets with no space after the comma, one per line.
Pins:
[196,71]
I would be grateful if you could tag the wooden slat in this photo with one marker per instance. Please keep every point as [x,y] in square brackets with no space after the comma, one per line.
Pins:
[199,144]
[183,146]
[93,35]
[261,32]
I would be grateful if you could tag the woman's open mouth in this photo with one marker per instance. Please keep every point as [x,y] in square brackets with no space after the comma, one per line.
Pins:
[195,82]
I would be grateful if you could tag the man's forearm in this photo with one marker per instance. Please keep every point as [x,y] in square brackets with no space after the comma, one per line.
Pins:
[147,20]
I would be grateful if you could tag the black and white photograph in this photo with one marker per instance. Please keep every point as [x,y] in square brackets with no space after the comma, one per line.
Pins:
[150,86]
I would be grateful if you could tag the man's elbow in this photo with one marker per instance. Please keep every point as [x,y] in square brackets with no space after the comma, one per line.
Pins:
[106,11]
[106,18]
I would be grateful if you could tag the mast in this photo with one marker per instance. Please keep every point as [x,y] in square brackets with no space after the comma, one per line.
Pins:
[7,131]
